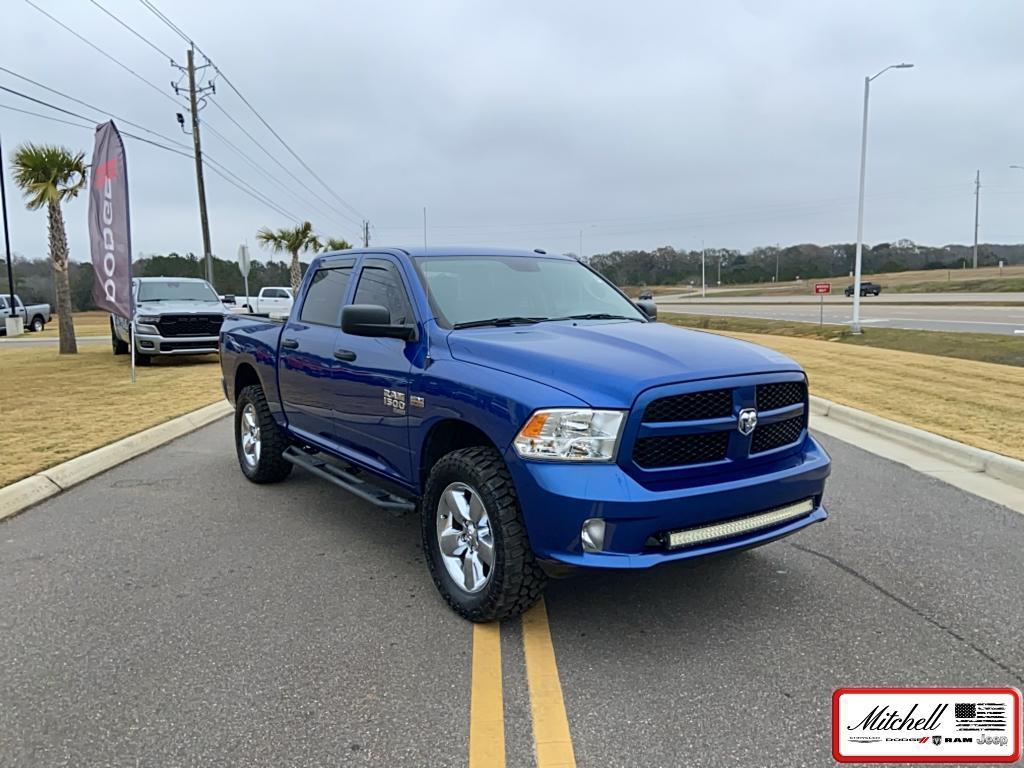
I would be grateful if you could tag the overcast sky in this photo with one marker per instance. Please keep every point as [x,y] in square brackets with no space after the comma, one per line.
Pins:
[519,124]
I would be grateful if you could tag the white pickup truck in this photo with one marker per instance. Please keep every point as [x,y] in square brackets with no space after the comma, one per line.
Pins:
[36,316]
[272,299]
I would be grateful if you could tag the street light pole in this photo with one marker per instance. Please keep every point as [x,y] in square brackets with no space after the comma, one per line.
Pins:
[855,325]
[7,235]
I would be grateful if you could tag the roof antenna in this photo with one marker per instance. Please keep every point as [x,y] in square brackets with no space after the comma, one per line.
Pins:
[424,230]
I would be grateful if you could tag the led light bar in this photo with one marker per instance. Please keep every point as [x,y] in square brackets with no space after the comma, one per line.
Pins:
[743,525]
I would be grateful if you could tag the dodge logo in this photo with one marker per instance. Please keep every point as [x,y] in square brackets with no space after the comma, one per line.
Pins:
[746,421]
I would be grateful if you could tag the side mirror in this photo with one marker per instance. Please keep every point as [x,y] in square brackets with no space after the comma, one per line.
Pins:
[373,320]
[648,307]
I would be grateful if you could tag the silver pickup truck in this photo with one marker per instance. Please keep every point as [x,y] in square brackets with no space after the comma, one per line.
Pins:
[173,316]
[35,316]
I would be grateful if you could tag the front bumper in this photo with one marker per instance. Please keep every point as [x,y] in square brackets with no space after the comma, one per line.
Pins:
[557,498]
[154,344]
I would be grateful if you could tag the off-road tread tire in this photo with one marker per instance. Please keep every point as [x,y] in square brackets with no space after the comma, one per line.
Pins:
[517,581]
[272,466]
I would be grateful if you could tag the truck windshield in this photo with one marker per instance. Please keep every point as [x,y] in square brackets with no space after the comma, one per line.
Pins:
[176,291]
[474,289]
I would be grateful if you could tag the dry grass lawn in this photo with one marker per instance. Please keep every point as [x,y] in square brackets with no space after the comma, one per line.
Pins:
[965,400]
[54,407]
[86,324]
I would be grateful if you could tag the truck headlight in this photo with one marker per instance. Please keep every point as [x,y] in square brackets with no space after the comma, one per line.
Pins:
[571,434]
[147,324]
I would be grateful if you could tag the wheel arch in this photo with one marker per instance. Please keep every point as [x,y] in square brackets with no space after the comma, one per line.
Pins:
[245,375]
[445,436]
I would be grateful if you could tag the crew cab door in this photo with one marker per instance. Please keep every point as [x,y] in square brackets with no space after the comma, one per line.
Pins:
[311,379]
[373,386]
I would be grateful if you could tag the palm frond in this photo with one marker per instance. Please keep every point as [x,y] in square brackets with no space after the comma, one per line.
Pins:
[47,173]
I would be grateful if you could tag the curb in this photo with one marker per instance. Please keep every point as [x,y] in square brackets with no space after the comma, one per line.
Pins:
[23,494]
[997,466]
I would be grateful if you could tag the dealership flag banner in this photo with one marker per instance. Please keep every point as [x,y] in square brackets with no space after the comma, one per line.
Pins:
[109,231]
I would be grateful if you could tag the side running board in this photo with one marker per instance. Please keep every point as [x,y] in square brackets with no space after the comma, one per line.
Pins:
[349,480]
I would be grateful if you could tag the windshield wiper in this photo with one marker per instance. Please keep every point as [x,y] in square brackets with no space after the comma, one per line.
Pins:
[501,322]
[597,316]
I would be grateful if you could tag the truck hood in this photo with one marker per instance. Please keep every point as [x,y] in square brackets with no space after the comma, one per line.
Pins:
[180,308]
[607,364]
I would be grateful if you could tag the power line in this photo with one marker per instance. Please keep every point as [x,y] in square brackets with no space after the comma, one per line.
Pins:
[264,172]
[160,15]
[93,107]
[220,169]
[285,168]
[96,48]
[127,26]
[45,117]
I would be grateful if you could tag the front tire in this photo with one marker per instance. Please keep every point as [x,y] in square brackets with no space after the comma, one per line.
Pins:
[259,442]
[474,537]
[119,347]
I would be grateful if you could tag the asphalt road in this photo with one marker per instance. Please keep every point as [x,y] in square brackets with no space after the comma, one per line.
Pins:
[169,613]
[959,318]
[954,297]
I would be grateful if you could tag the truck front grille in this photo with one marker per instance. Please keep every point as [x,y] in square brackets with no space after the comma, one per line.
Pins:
[767,437]
[681,450]
[694,428]
[713,404]
[772,396]
[189,325]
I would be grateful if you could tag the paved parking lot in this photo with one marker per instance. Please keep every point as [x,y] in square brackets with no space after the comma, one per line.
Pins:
[169,613]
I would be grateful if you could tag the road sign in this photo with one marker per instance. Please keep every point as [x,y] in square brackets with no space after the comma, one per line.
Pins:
[243,260]
[823,287]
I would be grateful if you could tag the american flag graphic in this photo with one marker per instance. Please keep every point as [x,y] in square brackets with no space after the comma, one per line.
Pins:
[980,716]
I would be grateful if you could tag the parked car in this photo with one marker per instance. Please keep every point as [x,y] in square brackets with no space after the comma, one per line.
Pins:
[866,289]
[173,316]
[35,316]
[276,299]
[646,296]
[534,417]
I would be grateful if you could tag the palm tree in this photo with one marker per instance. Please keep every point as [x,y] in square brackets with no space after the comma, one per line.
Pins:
[48,175]
[294,240]
[336,244]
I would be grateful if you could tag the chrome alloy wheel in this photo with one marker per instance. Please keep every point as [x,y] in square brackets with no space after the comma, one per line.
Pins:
[465,538]
[249,435]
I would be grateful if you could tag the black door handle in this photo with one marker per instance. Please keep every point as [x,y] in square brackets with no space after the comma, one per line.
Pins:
[290,344]
[345,354]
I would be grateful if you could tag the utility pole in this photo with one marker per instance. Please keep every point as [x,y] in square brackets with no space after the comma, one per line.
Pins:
[580,255]
[776,262]
[7,236]
[977,200]
[196,100]
[366,234]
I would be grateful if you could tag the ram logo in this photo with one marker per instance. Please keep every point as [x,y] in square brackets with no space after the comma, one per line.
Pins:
[746,421]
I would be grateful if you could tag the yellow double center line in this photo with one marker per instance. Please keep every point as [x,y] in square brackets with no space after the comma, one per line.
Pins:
[551,738]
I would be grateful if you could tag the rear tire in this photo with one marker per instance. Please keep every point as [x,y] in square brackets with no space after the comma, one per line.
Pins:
[513,581]
[37,324]
[259,442]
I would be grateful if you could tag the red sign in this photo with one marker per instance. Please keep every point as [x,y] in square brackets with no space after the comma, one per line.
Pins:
[823,287]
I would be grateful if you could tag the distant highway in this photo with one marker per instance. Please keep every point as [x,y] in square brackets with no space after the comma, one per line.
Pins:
[838,298]
[874,314]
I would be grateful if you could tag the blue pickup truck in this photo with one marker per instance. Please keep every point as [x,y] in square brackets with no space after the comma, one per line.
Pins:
[536,419]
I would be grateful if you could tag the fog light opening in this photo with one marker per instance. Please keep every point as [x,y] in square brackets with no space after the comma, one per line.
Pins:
[592,535]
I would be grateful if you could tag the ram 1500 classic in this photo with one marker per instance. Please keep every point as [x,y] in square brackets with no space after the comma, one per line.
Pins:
[534,417]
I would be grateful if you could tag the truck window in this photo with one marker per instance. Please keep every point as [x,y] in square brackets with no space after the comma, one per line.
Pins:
[325,296]
[380,283]
[274,293]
